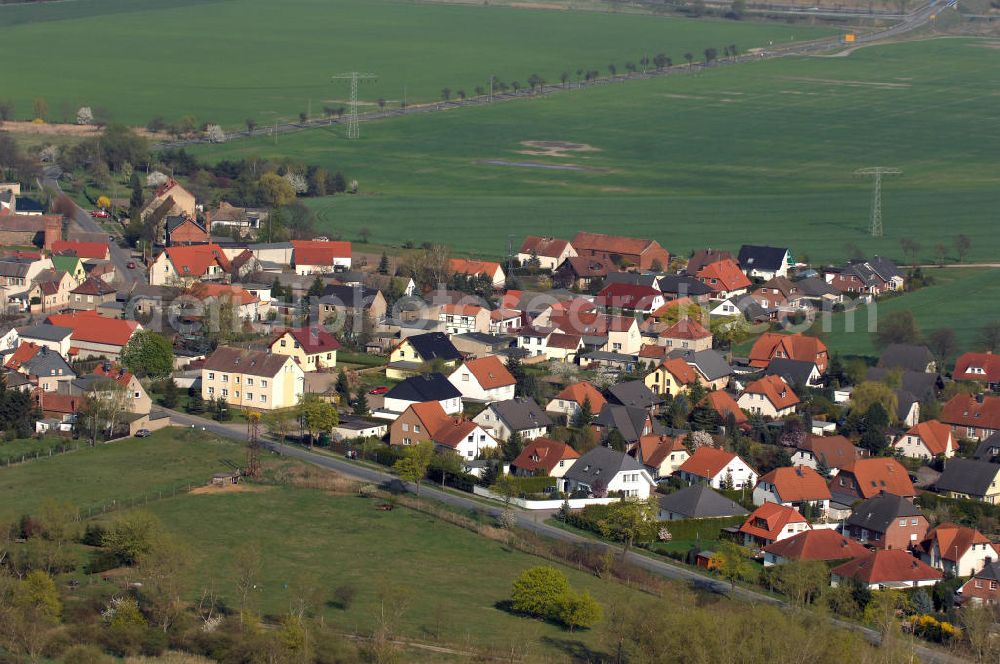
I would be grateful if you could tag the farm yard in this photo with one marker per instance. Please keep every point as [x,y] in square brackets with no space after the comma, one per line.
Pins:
[271,61]
[760,152]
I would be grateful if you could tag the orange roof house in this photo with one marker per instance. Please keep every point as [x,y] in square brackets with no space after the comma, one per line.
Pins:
[792,487]
[662,455]
[95,250]
[792,346]
[569,400]
[724,405]
[312,256]
[771,523]
[927,440]
[975,417]
[94,335]
[718,467]
[864,478]
[980,367]
[484,380]
[187,264]
[545,455]
[769,396]
[887,568]
[824,544]
[472,268]
[622,251]
[958,550]
[724,278]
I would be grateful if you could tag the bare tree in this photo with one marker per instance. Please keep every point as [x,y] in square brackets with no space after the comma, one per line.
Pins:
[962,246]
[248,566]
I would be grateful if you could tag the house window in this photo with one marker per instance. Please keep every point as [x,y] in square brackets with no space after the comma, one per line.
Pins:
[225,393]
[250,382]
[902,522]
[406,427]
[263,383]
[237,395]
[249,396]
[993,585]
[263,398]
[211,375]
[416,428]
[979,584]
[225,378]
[913,522]
[211,391]
[465,378]
[237,379]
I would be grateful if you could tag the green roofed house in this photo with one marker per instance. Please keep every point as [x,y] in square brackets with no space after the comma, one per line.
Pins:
[70,264]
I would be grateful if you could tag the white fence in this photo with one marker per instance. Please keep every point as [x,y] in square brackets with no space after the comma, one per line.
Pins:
[574,503]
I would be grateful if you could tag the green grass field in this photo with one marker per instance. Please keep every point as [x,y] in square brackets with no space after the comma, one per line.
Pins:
[963,299]
[228,60]
[762,152]
[450,579]
[118,471]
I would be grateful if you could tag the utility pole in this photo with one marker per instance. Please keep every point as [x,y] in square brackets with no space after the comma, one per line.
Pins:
[876,172]
[352,118]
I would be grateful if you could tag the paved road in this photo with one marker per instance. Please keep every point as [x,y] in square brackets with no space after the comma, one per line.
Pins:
[125,277]
[531,522]
[910,22]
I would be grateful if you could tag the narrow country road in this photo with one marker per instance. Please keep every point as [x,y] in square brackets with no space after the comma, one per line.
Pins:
[531,522]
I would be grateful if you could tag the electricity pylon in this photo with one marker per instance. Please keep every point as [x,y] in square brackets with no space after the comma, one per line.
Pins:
[877,172]
[352,117]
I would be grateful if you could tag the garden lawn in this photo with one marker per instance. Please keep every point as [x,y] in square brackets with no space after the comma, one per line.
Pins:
[762,152]
[118,471]
[449,579]
[224,61]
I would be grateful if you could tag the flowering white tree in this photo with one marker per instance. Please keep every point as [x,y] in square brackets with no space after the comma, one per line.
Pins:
[298,182]
[215,134]
[84,116]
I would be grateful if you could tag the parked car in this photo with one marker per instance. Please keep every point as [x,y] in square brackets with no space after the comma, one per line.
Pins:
[381,389]
[100,214]
[143,433]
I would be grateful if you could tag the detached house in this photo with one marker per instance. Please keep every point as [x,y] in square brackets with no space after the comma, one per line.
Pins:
[630,297]
[521,415]
[984,587]
[976,417]
[867,278]
[408,356]
[428,421]
[979,367]
[602,471]
[957,550]
[550,252]
[725,407]
[181,200]
[568,403]
[886,569]
[793,487]
[44,368]
[718,468]
[826,452]
[420,389]
[725,279]
[887,521]
[252,379]
[927,440]
[686,334]
[91,294]
[184,265]
[94,335]
[763,262]
[464,318]
[182,229]
[769,396]
[320,256]
[622,251]
[484,380]
[672,377]
[470,268]
[697,502]
[970,479]
[868,477]
[772,523]
[771,345]
[312,347]
[544,456]
[661,455]
[823,544]
[83,250]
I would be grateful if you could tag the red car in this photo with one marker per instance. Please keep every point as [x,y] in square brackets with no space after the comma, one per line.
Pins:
[381,389]
[100,214]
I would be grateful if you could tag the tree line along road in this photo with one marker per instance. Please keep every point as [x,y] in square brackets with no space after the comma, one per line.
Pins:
[532,523]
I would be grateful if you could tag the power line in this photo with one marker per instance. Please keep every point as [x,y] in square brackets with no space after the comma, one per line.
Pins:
[876,172]
[352,117]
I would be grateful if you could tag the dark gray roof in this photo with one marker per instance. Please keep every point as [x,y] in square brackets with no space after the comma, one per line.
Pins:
[434,345]
[628,420]
[15,267]
[699,501]
[269,245]
[759,257]
[922,385]
[904,402]
[710,362]
[349,296]
[988,449]
[14,379]
[632,393]
[879,511]
[682,285]
[969,476]
[815,287]
[494,340]
[905,356]
[45,332]
[631,278]
[47,363]
[521,413]
[176,220]
[990,572]
[601,463]
[24,205]
[794,372]
[425,387]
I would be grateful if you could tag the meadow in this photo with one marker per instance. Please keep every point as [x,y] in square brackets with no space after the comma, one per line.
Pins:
[763,152]
[224,61]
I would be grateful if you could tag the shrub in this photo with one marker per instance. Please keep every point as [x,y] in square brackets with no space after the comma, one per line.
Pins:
[343,596]
[578,610]
[537,591]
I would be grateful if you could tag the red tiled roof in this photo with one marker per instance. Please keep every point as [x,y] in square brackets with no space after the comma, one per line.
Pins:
[768,520]
[204,290]
[797,484]
[685,328]
[473,268]
[461,309]
[877,474]
[793,346]
[319,252]
[194,260]
[832,451]
[453,432]
[589,267]
[579,392]
[887,566]
[616,244]
[490,372]
[723,404]
[978,366]
[823,544]
[117,374]
[655,449]
[953,540]
[707,462]
[94,286]
[91,327]
[564,341]
[314,339]
[543,454]
[682,372]
[53,402]
[726,274]
[774,390]
[431,414]
[627,296]
[653,352]
[549,247]
[966,411]
[97,250]
[24,352]
[935,436]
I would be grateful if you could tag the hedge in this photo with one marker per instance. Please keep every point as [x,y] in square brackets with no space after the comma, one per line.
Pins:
[532,485]
[705,529]
[971,510]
